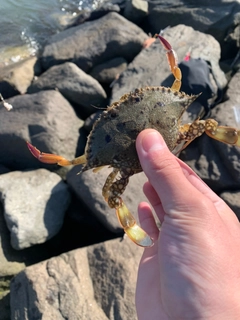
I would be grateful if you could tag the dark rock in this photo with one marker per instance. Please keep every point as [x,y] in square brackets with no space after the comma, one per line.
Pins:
[35,212]
[109,71]
[74,84]
[47,120]
[3,169]
[94,42]
[87,283]
[16,78]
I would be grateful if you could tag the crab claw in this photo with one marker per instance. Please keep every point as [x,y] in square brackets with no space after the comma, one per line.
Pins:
[225,134]
[134,232]
[173,63]
[48,157]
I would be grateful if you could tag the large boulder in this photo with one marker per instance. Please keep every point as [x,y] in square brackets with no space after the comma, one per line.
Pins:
[94,42]
[74,84]
[34,205]
[46,119]
[96,282]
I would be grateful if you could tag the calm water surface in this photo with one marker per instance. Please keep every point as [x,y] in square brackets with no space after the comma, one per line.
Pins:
[26,24]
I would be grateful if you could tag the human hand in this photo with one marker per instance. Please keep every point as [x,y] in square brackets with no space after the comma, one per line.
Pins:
[193,269]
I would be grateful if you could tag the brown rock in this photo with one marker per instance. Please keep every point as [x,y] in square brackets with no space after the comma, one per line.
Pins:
[88,283]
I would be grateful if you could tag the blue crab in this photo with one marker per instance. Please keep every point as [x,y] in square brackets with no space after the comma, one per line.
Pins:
[112,139]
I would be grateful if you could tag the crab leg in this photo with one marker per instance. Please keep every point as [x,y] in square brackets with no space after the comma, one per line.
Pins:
[131,228]
[112,192]
[54,158]
[188,132]
[224,134]
[173,63]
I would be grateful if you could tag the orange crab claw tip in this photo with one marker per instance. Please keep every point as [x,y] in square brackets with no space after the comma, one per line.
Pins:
[34,151]
[165,43]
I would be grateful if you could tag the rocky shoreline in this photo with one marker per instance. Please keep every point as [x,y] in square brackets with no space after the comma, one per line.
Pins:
[58,237]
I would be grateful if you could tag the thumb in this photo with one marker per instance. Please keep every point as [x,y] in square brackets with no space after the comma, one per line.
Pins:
[166,175]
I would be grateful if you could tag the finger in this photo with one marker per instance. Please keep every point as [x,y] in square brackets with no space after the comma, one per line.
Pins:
[227,215]
[153,198]
[147,220]
[148,224]
[166,176]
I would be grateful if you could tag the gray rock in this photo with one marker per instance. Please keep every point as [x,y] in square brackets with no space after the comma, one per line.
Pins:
[47,120]
[88,283]
[215,162]
[74,84]
[135,10]
[150,67]
[34,205]
[13,261]
[109,71]
[94,42]
[88,187]
[215,17]
[16,78]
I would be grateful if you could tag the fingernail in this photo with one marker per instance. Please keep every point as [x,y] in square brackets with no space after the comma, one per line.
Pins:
[153,141]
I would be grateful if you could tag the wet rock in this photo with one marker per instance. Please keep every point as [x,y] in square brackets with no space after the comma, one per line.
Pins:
[16,78]
[88,283]
[214,18]
[150,67]
[109,71]
[74,84]
[34,205]
[215,162]
[47,120]
[88,187]
[94,42]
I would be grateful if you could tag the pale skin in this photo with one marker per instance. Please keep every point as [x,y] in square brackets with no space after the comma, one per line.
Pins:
[193,269]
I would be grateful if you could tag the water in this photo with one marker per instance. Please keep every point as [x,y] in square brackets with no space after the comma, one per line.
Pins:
[26,24]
